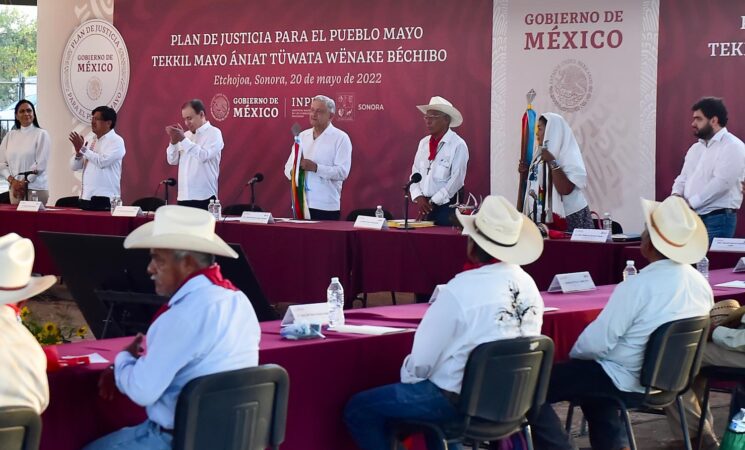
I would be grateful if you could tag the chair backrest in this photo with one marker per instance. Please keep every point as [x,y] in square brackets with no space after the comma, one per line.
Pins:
[149,203]
[505,379]
[20,428]
[673,354]
[242,409]
[352,216]
[5,198]
[67,202]
[237,210]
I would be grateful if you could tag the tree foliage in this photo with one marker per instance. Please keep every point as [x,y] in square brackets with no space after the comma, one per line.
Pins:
[17,50]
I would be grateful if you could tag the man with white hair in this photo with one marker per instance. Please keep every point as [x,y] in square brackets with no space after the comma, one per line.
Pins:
[207,326]
[23,366]
[324,156]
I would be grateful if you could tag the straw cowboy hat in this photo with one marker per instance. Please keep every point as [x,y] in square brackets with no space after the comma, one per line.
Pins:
[726,312]
[676,231]
[501,231]
[180,228]
[440,104]
[16,261]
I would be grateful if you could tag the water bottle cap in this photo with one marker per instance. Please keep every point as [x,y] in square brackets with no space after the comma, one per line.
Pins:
[334,279]
[380,207]
[630,262]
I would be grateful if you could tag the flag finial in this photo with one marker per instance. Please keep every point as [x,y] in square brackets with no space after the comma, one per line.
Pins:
[530,96]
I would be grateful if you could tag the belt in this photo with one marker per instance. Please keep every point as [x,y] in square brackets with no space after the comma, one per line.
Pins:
[165,430]
[716,212]
[451,396]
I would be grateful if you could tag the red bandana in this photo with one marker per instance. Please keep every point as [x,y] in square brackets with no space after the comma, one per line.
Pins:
[212,273]
[470,265]
[433,144]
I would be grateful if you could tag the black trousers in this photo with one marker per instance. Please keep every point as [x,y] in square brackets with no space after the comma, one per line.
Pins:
[321,214]
[200,204]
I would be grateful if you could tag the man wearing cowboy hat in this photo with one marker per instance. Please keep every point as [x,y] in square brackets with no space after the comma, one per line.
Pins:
[441,159]
[495,301]
[23,366]
[207,326]
[608,355]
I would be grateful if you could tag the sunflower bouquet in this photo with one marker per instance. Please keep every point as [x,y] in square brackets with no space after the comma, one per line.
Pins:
[49,333]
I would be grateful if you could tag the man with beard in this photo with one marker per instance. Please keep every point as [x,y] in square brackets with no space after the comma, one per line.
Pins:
[713,170]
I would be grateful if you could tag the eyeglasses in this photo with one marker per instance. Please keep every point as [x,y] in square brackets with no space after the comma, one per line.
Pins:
[428,117]
[98,119]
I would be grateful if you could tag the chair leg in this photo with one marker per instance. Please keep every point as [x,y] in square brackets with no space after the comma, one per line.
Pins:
[364,299]
[570,415]
[393,297]
[702,420]
[528,436]
[629,430]
[683,424]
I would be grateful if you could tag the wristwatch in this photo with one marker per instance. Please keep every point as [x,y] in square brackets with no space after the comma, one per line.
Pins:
[553,164]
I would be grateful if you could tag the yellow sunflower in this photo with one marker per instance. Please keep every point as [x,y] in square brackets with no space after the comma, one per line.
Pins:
[81,332]
[50,328]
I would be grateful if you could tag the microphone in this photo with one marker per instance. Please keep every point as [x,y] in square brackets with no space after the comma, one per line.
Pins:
[416,177]
[169,182]
[258,178]
[26,174]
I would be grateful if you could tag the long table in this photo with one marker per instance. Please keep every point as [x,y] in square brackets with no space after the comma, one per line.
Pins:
[324,374]
[294,262]
[717,259]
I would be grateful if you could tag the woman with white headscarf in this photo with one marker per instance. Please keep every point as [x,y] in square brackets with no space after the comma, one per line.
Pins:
[569,176]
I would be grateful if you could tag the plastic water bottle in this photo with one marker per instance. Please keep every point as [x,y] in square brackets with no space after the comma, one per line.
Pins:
[211,207]
[218,210]
[115,201]
[703,267]
[629,270]
[379,212]
[607,222]
[34,196]
[734,437]
[335,299]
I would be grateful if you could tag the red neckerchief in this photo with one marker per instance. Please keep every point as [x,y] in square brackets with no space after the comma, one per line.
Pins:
[433,144]
[15,308]
[212,273]
[470,265]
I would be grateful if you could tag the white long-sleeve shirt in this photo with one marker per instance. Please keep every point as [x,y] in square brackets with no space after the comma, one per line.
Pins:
[24,150]
[712,173]
[207,329]
[476,306]
[443,177]
[332,152]
[198,159]
[101,162]
[662,292]
[23,366]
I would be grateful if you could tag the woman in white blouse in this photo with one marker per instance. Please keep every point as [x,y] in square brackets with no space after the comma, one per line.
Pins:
[24,153]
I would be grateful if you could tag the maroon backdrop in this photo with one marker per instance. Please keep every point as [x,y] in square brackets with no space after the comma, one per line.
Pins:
[384,141]
[686,71]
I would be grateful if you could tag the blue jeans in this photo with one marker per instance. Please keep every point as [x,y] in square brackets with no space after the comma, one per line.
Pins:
[145,436]
[720,225]
[367,412]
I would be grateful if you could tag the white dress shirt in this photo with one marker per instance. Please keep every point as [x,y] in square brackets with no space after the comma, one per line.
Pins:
[23,366]
[662,292]
[445,176]
[198,159]
[208,329]
[332,152]
[24,150]
[101,162]
[476,306]
[712,173]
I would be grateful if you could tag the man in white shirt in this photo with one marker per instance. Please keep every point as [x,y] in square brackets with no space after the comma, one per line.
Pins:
[99,156]
[207,326]
[441,159]
[326,160]
[495,301]
[23,366]
[197,152]
[713,170]
[608,355]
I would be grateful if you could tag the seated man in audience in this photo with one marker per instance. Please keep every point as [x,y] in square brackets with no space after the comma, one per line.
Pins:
[495,301]
[23,366]
[207,326]
[608,355]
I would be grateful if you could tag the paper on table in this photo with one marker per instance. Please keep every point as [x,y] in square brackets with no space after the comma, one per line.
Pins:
[737,284]
[285,219]
[550,308]
[367,329]
[95,358]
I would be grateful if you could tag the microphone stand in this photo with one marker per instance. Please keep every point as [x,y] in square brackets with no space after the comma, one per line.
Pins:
[165,185]
[406,207]
[253,197]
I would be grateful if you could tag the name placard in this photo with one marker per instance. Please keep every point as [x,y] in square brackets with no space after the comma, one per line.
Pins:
[572,282]
[28,205]
[309,313]
[740,266]
[371,223]
[127,211]
[590,235]
[257,217]
[728,245]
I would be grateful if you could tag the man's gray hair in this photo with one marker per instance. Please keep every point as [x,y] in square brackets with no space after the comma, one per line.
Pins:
[330,104]
[203,259]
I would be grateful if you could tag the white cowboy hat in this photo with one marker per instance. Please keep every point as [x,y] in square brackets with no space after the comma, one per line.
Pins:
[676,231]
[16,262]
[501,231]
[440,104]
[180,228]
